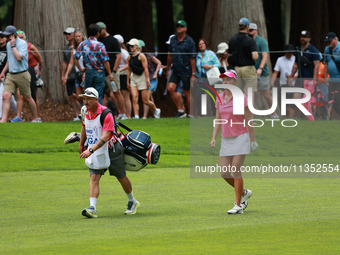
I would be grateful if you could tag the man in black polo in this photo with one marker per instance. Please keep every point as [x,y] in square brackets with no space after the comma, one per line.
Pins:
[244,52]
[113,49]
[183,65]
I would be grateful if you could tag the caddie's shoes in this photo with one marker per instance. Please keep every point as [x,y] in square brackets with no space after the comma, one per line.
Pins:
[72,137]
[132,207]
[90,212]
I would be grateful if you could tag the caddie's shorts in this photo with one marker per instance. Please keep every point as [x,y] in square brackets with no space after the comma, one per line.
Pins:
[117,165]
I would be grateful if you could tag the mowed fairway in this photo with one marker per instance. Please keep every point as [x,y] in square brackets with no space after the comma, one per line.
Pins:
[44,187]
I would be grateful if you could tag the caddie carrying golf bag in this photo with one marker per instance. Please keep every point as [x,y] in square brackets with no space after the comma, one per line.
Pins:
[139,151]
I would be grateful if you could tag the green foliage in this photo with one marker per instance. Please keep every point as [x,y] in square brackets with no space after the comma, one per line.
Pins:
[177,7]
[6,13]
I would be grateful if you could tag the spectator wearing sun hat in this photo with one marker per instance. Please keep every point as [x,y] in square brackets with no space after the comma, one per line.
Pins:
[222,54]
[244,53]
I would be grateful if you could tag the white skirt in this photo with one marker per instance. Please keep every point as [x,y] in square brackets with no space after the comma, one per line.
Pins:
[236,145]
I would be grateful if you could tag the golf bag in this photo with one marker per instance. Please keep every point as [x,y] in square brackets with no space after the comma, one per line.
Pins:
[139,151]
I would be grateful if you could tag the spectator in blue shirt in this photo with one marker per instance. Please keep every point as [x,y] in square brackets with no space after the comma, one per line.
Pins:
[18,76]
[307,59]
[205,59]
[332,67]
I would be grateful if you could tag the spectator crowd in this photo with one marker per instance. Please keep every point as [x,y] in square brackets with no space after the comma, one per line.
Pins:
[126,73]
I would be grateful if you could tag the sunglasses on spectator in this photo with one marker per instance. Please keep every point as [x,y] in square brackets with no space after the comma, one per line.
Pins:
[67,33]
[251,30]
[2,36]
[178,25]
[20,32]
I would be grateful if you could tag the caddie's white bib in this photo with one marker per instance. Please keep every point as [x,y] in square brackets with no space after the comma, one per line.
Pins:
[100,158]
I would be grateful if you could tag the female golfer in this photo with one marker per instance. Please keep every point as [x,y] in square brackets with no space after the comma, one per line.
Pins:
[235,143]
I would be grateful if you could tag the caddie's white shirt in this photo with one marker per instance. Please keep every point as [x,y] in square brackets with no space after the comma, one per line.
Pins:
[99,159]
[284,66]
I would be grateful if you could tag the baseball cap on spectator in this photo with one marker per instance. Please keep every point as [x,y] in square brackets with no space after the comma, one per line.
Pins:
[305,33]
[101,25]
[141,43]
[69,30]
[182,23]
[133,42]
[9,30]
[330,36]
[222,47]
[90,92]
[253,26]
[168,41]
[244,21]
[119,38]
[230,74]
[289,48]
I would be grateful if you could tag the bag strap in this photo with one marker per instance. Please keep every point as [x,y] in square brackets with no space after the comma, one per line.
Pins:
[123,126]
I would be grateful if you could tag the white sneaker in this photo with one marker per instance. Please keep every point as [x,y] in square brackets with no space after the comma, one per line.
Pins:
[157,113]
[244,199]
[132,207]
[244,205]
[76,119]
[236,210]
[90,212]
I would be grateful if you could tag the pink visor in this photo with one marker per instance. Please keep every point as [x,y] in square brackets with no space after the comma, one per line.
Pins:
[230,74]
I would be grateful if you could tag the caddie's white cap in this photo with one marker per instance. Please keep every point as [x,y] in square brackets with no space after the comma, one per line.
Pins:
[90,92]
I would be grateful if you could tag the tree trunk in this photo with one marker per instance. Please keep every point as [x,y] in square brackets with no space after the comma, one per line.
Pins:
[221,23]
[273,18]
[312,16]
[44,22]
[130,18]
[194,12]
[165,26]
[222,16]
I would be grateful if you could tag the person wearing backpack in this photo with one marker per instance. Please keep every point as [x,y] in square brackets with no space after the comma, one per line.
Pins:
[104,151]
[332,67]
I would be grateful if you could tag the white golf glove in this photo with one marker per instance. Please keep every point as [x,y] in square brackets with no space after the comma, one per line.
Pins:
[254,146]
